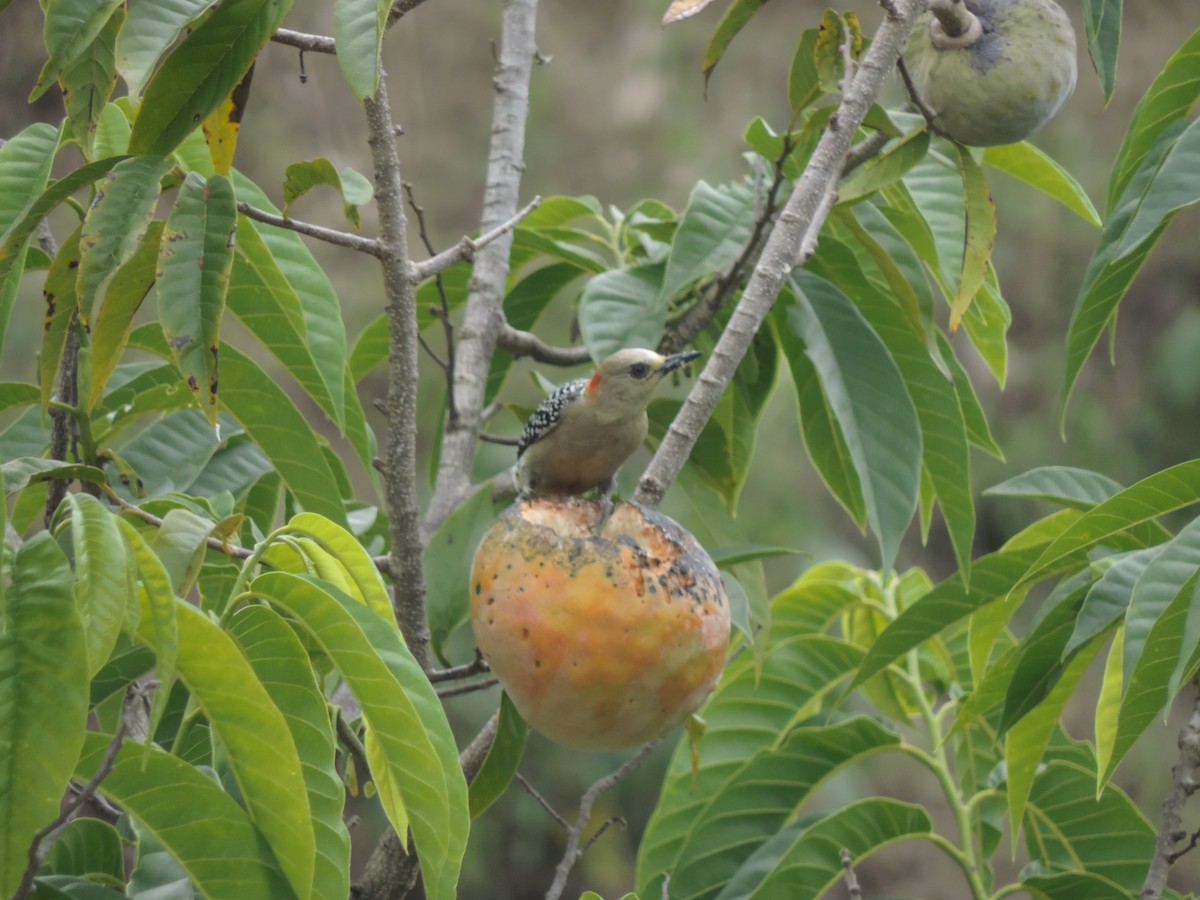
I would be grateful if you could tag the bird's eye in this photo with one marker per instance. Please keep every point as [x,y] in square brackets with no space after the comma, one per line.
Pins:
[639,370]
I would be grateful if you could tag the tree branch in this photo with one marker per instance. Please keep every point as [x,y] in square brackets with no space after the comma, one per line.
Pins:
[793,233]
[853,890]
[467,247]
[575,832]
[400,451]
[1183,785]
[483,315]
[320,232]
[43,838]
[526,343]
[320,43]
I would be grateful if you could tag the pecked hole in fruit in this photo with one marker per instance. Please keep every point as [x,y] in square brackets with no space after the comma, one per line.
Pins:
[478,588]
[525,634]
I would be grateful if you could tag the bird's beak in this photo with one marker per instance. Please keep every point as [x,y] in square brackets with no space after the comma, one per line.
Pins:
[676,360]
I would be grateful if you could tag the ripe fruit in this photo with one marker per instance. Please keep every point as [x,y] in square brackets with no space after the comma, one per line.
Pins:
[602,640]
[994,72]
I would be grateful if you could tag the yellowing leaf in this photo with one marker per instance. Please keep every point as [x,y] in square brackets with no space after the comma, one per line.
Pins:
[223,123]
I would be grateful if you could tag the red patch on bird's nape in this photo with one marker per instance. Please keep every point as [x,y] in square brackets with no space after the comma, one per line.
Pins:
[593,384]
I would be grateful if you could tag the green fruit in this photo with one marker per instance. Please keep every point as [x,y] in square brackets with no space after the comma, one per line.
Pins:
[1000,79]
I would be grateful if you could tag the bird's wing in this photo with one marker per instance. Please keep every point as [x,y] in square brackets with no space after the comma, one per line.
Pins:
[548,414]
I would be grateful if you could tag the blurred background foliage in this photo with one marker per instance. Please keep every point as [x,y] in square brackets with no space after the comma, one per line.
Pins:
[620,111]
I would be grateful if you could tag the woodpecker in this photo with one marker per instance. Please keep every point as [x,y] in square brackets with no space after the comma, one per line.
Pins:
[582,433]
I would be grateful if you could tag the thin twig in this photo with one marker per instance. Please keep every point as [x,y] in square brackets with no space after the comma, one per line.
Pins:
[43,838]
[545,804]
[469,688]
[868,148]
[502,439]
[447,365]
[309,43]
[575,832]
[213,543]
[353,745]
[525,343]
[320,43]
[466,670]
[369,246]
[1183,785]
[853,890]
[467,247]
[918,101]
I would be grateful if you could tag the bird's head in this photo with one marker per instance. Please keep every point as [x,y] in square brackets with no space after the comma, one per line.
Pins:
[629,377]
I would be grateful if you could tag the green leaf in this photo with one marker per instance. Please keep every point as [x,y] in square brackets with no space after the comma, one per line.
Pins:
[1026,740]
[503,757]
[114,318]
[867,395]
[282,278]
[180,543]
[358,28]
[804,86]
[1073,886]
[713,232]
[802,861]
[194,261]
[1068,828]
[280,430]
[1102,23]
[980,217]
[102,585]
[945,453]
[150,28]
[156,874]
[200,825]
[1173,188]
[302,177]
[726,557]
[43,698]
[358,573]
[737,14]
[447,562]
[992,577]
[819,428]
[1064,486]
[115,224]
[725,449]
[1027,163]
[751,799]
[886,168]
[255,736]
[201,71]
[752,710]
[18,474]
[88,82]
[1108,598]
[25,163]
[12,250]
[71,27]
[112,128]
[1162,492]
[87,847]
[1168,99]
[1114,264]
[621,308]
[168,455]
[1150,680]
[279,660]
[401,709]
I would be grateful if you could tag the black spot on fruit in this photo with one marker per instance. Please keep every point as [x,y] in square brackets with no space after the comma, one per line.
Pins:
[1002,79]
